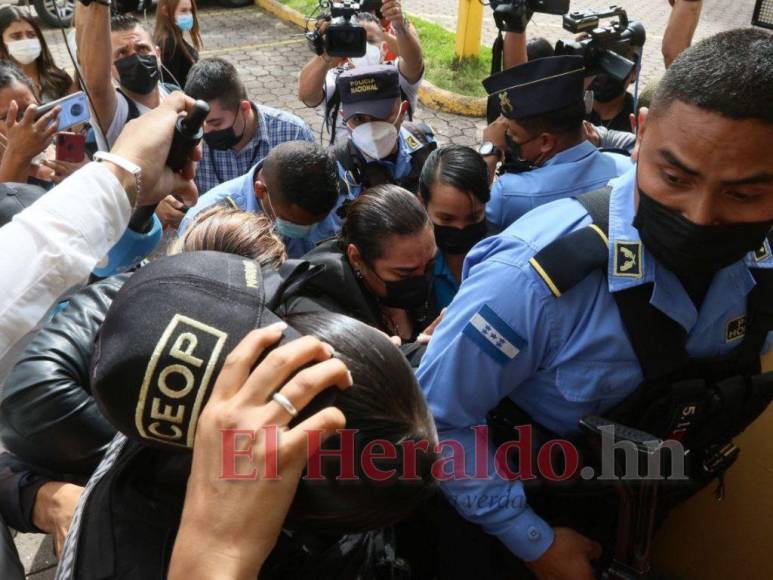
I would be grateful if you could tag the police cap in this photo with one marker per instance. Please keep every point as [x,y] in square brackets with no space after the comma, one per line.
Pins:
[369,90]
[165,339]
[537,87]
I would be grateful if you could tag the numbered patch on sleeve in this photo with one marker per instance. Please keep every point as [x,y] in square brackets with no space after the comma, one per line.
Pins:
[494,336]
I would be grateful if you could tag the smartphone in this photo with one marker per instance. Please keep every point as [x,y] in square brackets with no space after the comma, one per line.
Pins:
[75,109]
[70,147]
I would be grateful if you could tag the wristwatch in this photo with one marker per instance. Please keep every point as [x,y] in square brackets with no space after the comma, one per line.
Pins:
[488,148]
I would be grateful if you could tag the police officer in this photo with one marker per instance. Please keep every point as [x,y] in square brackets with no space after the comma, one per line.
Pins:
[382,148]
[542,106]
[683,269]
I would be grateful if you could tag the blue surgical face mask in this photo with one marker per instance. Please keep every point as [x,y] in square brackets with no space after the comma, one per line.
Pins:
[184,22]
[288,229]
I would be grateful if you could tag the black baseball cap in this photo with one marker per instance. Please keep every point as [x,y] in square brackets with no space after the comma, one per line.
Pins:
[369,90]
[538,86]
[15,197]
[165,339]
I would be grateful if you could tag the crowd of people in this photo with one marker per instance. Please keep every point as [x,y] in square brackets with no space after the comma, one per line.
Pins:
[270,361]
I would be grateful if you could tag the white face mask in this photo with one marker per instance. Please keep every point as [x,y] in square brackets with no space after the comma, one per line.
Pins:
[376,139]
[24,51]
[372,56]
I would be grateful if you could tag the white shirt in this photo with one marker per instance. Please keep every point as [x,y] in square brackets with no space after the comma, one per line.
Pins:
[51,247]
[121,115]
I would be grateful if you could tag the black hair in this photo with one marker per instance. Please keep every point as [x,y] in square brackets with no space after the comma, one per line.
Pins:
[539,47]
[458,166]
[124,23]
[377,214]
[567,120]
[10,73]
[385,403]
[730,73]
[216,78]
[303,174]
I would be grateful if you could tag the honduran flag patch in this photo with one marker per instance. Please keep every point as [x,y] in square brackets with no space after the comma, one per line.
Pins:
[493,335]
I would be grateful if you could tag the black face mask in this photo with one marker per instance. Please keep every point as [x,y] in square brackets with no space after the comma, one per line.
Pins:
[138,73]
[223,139]
[514,163]
[459,241]
[688,248]
[606,88]
[409,293]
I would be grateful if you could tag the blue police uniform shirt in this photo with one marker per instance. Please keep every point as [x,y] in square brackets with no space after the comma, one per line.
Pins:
[572,172]
[558,359]
[242,192]
[444,282]
[399,167]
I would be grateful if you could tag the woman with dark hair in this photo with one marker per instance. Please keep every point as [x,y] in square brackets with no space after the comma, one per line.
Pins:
[379,269]
[23,137]
[454,188]
[24,44]
[173,19]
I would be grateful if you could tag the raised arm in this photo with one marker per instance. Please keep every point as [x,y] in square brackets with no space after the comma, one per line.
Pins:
[411,61]
[92,30]
[680,28]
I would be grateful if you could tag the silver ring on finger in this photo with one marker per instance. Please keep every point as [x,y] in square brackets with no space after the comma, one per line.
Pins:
[285,403]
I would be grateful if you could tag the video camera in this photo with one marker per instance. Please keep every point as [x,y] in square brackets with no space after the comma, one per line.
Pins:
[514,15]
[345,36]
[606,48]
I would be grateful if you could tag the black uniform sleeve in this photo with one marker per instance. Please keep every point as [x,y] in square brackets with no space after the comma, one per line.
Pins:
[19,484]
[47,414]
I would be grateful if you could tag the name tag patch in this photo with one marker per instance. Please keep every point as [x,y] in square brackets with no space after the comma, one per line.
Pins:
[494,336]
[735,329]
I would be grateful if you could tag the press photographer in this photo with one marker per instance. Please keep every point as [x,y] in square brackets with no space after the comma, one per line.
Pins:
[613,55]
[358,41]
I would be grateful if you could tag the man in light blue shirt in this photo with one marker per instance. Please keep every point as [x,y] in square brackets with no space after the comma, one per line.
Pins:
[295,185]
[542,102]
[690,225]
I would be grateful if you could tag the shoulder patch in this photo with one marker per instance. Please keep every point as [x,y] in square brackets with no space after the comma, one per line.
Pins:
[494,336]
[628,259]
[412,142]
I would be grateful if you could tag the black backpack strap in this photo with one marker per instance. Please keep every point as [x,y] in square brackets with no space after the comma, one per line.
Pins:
[421,142]
[352,174]
[134,112]
[330,118]
[567,261]
[658,341]
[596,203]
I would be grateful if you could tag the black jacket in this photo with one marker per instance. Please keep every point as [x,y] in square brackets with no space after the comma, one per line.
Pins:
[337,289]
[48,419]
[47,414]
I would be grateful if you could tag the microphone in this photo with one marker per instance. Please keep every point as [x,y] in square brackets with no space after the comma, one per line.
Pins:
[144,232]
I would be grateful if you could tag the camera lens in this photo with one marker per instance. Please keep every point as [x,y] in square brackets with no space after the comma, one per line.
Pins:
[76,110]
